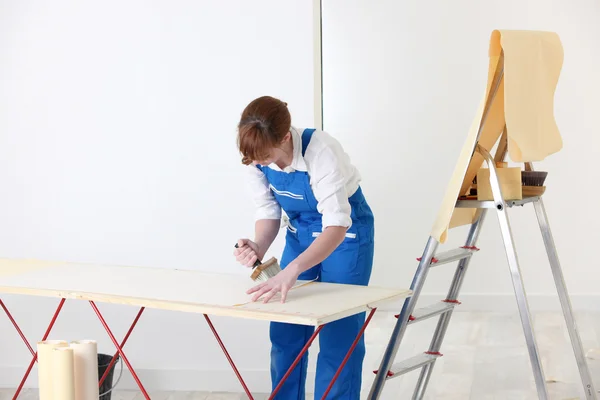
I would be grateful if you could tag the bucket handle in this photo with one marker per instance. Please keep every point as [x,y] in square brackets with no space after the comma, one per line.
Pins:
[117,382]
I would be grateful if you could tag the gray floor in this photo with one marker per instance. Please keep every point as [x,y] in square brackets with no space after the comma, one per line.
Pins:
[485,358]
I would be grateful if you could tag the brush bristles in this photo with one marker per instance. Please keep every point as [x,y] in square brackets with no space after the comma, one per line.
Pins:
[266,270]
[533,178]
[268,273]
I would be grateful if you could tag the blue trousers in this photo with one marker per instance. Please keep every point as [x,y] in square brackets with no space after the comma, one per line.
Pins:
[350,263]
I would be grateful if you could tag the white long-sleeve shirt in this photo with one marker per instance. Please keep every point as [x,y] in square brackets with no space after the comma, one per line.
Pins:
[333,179]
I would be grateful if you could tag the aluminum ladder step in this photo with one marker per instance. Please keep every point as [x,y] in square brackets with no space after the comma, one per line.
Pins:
[430,311]
[446,257]
[410,364]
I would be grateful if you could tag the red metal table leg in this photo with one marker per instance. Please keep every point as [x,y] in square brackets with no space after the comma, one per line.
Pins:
[237,373]
[343,364]
[296,361]
[120,350]
[114,359]
[10,317]
[33,361]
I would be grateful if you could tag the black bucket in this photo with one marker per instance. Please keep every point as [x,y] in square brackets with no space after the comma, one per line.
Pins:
[103,363]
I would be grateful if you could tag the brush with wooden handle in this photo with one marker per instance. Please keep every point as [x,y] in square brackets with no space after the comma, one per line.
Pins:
[261,272]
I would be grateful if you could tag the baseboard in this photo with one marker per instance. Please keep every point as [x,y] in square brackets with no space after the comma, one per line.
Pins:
[506,302]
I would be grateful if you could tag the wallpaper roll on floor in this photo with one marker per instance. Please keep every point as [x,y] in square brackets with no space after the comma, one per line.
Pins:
[85,354]
[45,366]
[63,385]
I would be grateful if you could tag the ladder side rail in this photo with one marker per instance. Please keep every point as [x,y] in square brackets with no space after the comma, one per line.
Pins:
[444,320]
[455,286]
[472,237]
[517,280]
[424,264]
[563,295]
[402,321]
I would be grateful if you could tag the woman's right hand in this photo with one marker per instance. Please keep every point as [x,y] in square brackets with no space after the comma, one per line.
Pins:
[246,253]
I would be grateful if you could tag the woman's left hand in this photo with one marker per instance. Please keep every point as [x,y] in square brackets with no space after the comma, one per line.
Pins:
[282,282]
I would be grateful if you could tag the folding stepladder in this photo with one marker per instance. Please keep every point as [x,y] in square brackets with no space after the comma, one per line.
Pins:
[409,314]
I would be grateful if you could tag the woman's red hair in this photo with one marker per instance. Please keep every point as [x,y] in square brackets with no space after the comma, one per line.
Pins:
[263,125]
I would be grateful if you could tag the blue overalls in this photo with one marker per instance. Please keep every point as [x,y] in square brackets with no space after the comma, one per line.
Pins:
[350,263]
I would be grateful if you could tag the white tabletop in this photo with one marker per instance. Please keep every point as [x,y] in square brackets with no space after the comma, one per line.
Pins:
[308,303]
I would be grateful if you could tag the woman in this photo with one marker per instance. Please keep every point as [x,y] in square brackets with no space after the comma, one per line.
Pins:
[329,238]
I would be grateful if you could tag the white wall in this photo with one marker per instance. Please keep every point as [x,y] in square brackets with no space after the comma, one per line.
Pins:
[117,145]
[402,83]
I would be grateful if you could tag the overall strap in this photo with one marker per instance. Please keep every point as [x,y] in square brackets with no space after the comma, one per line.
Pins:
[306,136]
